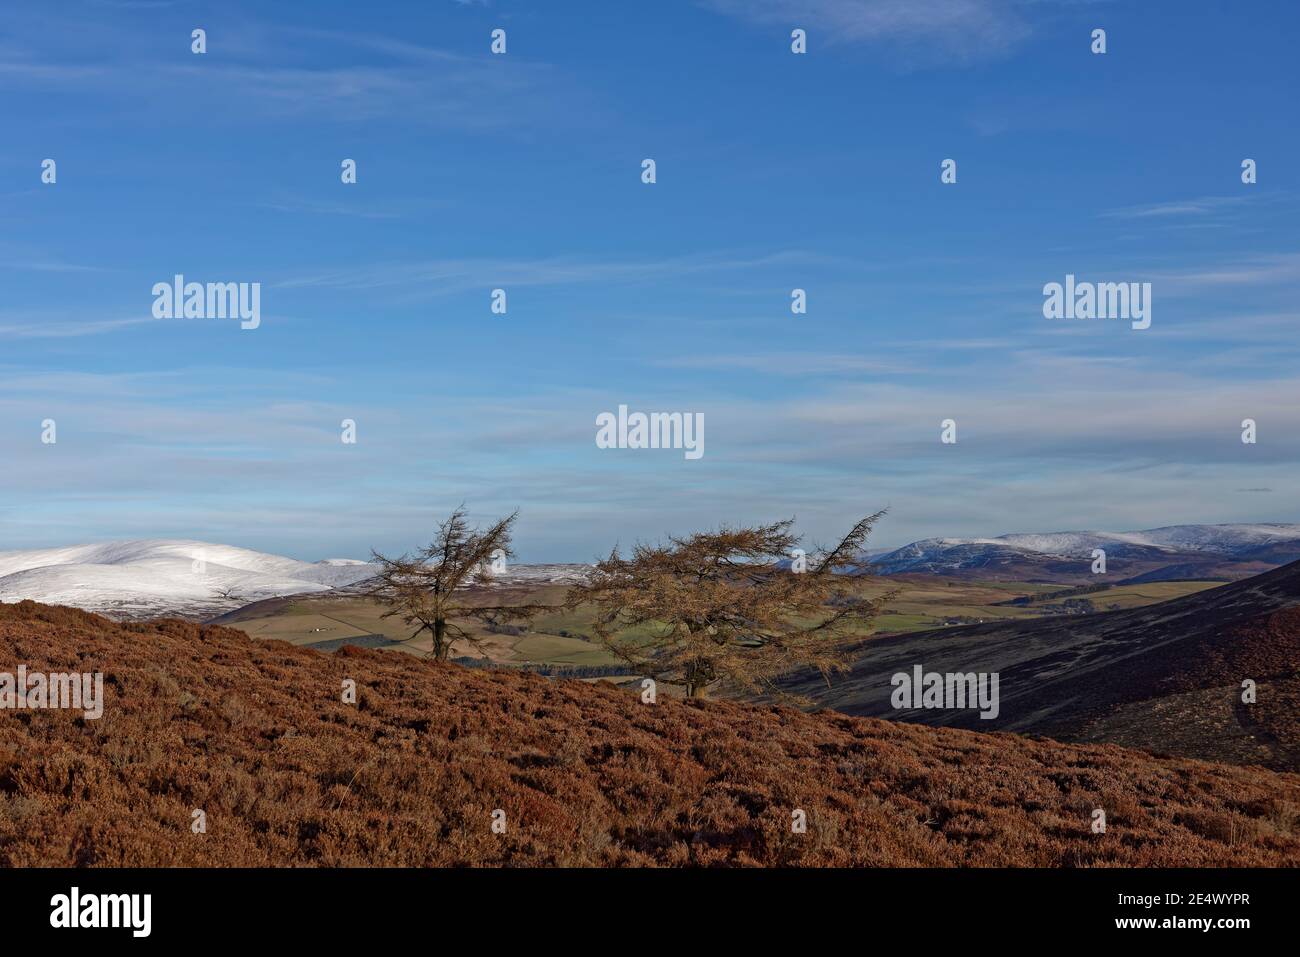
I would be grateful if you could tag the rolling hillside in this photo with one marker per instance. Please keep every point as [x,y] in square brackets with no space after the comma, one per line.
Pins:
[1164,677]
[255,735]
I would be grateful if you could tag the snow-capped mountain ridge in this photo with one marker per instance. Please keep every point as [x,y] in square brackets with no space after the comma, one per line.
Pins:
[1220,539]
[1240,541]
[154,577]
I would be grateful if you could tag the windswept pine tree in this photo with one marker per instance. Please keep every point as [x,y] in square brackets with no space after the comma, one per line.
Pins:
[741,604]
[428,589]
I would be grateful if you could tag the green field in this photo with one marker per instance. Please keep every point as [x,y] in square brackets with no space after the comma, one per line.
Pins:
[1135,596]
[550,638]
[561,637]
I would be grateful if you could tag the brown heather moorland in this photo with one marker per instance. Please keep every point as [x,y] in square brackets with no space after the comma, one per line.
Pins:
[256,735]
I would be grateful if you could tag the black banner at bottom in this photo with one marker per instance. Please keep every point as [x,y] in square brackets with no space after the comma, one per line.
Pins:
[334,907]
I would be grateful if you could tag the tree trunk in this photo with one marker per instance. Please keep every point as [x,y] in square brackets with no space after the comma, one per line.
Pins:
[441,647]
[694,679]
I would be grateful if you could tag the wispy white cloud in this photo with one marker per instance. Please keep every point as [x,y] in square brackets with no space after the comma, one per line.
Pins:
[296,205]
[1202,206]
[46,328]
[1257,271]
[968,28]
[446,276]
[330,76]
[788,363]
[50,265]
[1048,441]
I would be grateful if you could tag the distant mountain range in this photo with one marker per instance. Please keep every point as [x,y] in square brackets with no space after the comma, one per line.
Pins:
[1226,552]
[151,577]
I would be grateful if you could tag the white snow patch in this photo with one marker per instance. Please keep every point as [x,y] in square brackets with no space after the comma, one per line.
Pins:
[154,577]
[163,576]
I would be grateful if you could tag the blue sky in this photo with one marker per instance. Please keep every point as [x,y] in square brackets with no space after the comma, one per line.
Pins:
[522,171]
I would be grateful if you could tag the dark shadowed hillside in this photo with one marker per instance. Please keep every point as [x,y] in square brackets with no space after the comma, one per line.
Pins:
[256,736]
[1165,677]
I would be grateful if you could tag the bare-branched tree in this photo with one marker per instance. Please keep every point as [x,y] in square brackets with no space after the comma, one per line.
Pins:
[741,604]
[428,589]
[233,594]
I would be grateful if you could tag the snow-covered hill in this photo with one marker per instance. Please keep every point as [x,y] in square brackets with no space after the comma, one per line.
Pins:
[160,576]
[153,577]
[1244,543]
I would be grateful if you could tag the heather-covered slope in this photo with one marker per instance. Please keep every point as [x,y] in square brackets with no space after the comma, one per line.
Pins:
[255,735]
[1164,677]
